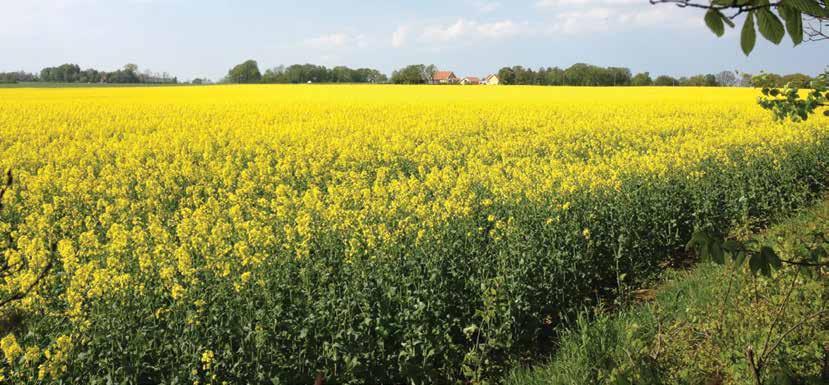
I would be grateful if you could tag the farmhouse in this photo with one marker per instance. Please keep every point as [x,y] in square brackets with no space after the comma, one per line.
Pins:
[492,80]
[444,77]
[471,80]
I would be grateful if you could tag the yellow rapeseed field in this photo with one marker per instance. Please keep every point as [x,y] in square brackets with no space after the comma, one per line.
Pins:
[378,233]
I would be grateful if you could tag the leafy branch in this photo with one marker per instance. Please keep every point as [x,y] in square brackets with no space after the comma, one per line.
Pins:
[787,102]
[763,260]
[759,17]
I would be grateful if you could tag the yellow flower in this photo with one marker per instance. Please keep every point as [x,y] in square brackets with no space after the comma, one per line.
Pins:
[177,291]
[32,354]
[586,233]
[207,359]
[10,348]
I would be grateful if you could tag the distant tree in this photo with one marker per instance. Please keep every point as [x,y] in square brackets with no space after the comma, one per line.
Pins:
[579,74]
[745,79]
[796,80]
[303,73]
[506,76]
[274,75]
[665,81]
[554,77]
[129,74]
[64,73]
[247,72]
[413,74]
[615,76]
[368,75]
[767,80]
[342,74]
[427,73]
[710,80]
[90,76]
[19,76]
[523,75]
[692,81]
[727,79]
[642,79]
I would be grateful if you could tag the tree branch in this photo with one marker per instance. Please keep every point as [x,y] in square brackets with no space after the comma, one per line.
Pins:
[734,5]
[801,263]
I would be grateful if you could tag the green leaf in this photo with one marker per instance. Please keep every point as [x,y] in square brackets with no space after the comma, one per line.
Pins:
[770,26]
[771,257]
[727,21]
[794,22]
[713,19]
[739,258]
[809,7]
[755,263]
[716,252]
[748,37]
[698,241]
[732,246]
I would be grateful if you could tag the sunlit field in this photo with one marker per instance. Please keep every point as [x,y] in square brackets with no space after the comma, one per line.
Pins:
[377,234]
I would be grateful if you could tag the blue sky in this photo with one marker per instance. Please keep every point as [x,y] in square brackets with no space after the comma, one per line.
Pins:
[204,38]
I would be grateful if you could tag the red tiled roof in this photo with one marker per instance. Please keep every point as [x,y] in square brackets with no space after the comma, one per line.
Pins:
[472,79]
[443,75]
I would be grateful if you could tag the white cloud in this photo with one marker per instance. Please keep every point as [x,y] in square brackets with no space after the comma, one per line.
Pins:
[337,40]
[471,29]
[583,21]
[593,16]
[487,6]
[398,38]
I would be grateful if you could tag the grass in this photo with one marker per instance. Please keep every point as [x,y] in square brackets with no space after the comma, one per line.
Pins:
[689,333]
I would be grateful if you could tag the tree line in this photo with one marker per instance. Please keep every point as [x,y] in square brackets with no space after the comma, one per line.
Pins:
[72,73]
[582,74]
[248,72]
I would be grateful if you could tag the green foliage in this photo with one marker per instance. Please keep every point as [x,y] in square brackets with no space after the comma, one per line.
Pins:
[748,37]
[698,327]
[303,73]
[665,81]
[72,74]
[458,307]
[247,72]
[794,22]
[770,25]
[788,102]
[716,21]
[809,7]
[641,79]
[414,74]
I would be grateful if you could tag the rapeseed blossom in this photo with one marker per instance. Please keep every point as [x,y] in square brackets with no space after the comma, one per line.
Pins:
[161,200]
